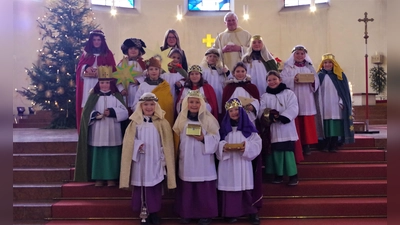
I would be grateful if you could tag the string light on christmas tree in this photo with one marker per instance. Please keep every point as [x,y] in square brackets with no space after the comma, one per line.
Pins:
[62,37]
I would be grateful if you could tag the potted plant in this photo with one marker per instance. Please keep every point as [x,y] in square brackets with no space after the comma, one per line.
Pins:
[378,78]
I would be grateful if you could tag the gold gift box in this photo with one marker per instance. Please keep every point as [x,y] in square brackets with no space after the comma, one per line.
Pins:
[306,77]
[232,147]
[193,130]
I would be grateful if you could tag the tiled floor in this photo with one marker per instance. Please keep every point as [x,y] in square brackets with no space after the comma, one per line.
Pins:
[67,135]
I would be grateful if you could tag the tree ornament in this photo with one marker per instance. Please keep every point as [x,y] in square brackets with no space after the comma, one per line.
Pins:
[48,94]
[40,87]
[60,90]
[71,83]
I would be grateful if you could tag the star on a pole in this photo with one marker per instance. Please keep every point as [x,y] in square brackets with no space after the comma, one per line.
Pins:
[125,74]
[162,56]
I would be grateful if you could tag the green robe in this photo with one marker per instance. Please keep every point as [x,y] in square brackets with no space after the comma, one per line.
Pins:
[82,164]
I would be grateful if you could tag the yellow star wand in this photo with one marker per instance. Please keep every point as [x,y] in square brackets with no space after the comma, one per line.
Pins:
[125,74]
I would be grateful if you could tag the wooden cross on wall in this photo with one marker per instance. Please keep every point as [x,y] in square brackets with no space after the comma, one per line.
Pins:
[365,20]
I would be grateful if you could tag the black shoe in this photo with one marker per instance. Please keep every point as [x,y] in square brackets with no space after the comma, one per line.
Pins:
[204,221]
[323,145]
[306,150]
[293,180]
[230,219]
[333,144]
[254,219]
[153,218]
[184,221]
[333,150]
[277,180]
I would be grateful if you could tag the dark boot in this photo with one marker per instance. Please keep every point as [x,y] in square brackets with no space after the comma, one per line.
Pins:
[323,144]
[230,219]
[153,218]
[204,221]
[333,144]
[293,180]
[254,219]
[277,179]
[185,221]
[306,150]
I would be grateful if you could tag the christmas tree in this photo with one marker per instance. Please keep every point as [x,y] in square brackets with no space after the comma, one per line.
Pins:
[64,30]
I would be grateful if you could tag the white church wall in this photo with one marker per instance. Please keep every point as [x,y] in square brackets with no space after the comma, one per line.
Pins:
[332,29]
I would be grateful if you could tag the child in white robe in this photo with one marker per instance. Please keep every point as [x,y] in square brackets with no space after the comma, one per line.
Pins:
[100,135]
[162,85]
[215,73]
[133,48]
[278,109]
[235,168]
[148,155]
[196,191]
[259,61]
[300,63]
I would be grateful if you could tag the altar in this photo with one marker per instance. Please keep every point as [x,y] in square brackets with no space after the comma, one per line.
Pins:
[361,98]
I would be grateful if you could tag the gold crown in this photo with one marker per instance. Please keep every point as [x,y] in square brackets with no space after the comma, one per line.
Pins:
[327,56]
[195,68]
[233,103]
[195,93]
[256,37]
[104,72]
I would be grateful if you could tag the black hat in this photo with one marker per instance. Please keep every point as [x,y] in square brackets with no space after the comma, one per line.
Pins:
[133,42]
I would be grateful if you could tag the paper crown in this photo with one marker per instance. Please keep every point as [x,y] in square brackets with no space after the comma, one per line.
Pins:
[327,56]
[104,72]
[153,62]
[148,96]
[196,68]
[97,32]
[232,103]
[195,93]
[299,47]
[212,51]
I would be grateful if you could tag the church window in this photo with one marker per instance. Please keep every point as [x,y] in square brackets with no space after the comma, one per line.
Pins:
[291,3]
[209,5]
[117,3]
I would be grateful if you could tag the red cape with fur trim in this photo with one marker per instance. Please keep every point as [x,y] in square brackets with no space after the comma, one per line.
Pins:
[211,98]
[231,87]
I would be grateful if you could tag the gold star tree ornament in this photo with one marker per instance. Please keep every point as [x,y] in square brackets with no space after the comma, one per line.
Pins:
[125,74]
[162,56]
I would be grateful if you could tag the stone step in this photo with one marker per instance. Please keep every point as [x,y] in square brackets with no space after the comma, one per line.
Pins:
[40,191]
[342,156]
[296,207]
[32,210]
[342,171]
[44,160]
[44,147]
[241,221]
[306,188]
[41,175]
[31,125]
